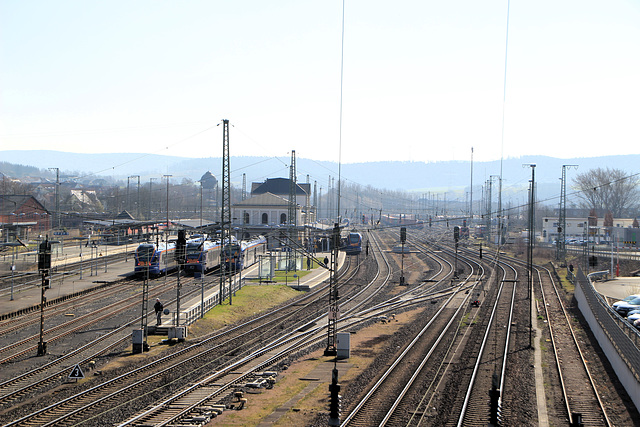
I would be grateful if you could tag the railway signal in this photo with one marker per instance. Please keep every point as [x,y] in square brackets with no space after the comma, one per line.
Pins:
[44,264]
[181,251]
[403,239]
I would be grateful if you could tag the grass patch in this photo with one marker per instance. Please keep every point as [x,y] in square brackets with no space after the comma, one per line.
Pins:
[249,301]
[465,320]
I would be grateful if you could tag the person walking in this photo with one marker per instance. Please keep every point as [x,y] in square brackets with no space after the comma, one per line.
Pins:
[158,307]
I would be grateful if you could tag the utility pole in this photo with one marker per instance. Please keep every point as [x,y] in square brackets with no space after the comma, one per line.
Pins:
[166,234]
[129,199]
[138,203]
[318,206]
[57,221]
[334,308]
[181,249]
[561,248]
[471,191]
[315,200]
[292,220]
[225,211]
[244,186]
[150,197]
[329,201]
[530,246]
[307,201]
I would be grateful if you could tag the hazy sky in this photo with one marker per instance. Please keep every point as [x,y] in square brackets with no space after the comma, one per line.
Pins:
[423,80]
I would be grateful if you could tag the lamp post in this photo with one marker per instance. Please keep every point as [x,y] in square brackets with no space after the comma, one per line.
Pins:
[150,197]
[138,202]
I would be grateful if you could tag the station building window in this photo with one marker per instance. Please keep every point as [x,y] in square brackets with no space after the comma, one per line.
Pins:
[265,218]
[283,218]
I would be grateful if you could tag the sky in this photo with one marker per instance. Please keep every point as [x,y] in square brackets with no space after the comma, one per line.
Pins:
[422,80]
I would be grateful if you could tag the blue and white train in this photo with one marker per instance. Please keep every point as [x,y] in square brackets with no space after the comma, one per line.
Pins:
[237,255]
[155,259]
[353,243]
[202,255]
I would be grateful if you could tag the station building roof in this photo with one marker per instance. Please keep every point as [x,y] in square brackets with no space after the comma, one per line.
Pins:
[279,186]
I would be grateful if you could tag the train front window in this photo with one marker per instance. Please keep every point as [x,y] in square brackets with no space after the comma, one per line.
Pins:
[193,250]
[353,238]
[145,253]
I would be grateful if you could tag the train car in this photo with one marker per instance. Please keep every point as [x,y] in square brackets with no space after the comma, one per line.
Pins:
[237,254]
[155,259]
[252,249]
[202,255]
[353,243]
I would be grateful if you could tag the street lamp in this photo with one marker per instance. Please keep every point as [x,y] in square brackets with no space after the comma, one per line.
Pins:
[138,202]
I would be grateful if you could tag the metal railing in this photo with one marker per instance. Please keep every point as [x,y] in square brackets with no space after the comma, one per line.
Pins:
[623,336]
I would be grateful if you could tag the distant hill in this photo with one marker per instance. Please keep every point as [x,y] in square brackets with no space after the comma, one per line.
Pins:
[415,176]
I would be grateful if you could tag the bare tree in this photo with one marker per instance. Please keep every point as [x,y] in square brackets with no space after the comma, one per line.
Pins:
[608,190]
[608,219]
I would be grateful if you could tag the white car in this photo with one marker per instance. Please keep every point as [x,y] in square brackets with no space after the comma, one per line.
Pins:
[631,302]
[633,315]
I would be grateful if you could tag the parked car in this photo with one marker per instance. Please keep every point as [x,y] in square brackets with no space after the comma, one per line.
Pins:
[637,323]
[626,305]
[633,315]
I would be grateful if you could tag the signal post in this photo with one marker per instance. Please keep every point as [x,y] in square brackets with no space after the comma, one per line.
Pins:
[44,266]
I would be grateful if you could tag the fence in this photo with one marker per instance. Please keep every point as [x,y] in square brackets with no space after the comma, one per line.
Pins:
[211,299]
[618,339]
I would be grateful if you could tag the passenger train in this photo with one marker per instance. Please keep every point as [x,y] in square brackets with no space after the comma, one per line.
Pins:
[237,255]
[156,259]
[202,255]
[352,245]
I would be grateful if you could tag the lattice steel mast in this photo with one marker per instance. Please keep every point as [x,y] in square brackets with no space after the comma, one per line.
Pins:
[225,209]
[561,248]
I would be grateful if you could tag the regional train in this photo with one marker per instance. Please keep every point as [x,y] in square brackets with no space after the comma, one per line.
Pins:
[237,255]
[353,243]
[202,256]
[155,259]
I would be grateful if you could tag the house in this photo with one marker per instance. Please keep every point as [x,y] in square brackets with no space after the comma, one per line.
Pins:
[22,216]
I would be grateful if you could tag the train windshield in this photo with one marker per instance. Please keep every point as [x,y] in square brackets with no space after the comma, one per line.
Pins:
[145,253]
[194,249]
[354,238]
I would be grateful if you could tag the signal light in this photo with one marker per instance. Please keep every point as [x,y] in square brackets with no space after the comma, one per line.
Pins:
[44,256]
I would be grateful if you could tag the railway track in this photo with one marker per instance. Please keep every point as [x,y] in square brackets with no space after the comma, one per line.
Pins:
[33,279]
[55,371]
[454,387]
[217,350]
[580,396]
[419,362]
